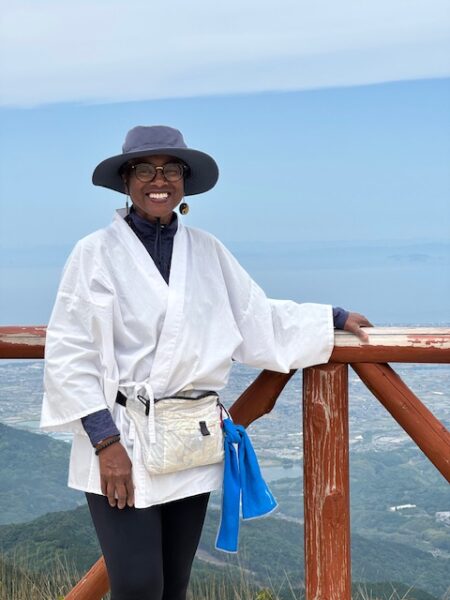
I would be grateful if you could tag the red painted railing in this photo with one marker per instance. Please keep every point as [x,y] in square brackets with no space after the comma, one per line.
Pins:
[326,440]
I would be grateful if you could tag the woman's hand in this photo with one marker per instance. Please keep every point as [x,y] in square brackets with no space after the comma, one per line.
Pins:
[115,475]
[354,323]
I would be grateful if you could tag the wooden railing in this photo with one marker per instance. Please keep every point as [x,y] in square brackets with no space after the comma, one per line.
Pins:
[325,436]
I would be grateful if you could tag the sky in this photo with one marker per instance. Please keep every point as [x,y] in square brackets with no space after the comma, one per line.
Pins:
[330,123]
[96,50]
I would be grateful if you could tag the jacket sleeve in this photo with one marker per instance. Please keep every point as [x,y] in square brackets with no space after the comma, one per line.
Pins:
[276,334]
[78,347]
[99,425]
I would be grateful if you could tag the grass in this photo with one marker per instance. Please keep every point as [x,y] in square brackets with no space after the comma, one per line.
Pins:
[18,583]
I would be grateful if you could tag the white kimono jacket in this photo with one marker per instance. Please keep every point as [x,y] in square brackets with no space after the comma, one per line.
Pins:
[116,324]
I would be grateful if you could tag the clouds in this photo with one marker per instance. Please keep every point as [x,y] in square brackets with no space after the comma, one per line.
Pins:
[106,51]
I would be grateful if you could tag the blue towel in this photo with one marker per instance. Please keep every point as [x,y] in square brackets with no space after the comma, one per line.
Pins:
[240,477]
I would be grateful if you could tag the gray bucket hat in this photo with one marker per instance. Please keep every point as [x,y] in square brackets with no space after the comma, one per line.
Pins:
[158,139]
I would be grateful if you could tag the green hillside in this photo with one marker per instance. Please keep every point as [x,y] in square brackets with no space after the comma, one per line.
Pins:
[380,480]
[33,472]
[66,537]
[386,545]
[272,548]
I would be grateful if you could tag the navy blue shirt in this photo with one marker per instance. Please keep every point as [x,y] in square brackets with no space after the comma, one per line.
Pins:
[158,241]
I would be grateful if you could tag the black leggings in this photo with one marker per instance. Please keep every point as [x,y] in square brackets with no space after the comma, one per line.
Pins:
[149,551]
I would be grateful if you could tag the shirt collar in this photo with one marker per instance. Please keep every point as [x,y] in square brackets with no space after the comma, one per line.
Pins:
[148,228]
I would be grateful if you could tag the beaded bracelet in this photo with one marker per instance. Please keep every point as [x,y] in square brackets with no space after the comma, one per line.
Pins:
[108,442]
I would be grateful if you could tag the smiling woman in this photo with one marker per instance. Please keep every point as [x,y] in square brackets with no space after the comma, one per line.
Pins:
[150,314]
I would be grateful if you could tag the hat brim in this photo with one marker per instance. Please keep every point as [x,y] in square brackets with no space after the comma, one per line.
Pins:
[203,170]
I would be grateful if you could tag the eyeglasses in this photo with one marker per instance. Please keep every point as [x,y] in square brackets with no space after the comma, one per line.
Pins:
[146,172]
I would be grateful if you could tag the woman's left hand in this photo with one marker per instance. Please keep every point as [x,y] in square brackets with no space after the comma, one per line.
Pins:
[354,323]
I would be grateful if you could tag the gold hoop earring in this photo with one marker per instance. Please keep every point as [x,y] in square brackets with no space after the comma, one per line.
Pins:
[184,208]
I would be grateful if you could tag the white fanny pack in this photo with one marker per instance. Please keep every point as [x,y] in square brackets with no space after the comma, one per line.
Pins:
[178,432]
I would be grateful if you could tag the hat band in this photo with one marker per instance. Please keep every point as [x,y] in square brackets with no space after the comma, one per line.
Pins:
[150,147]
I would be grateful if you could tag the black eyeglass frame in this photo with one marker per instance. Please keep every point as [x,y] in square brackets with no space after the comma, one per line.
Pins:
[183,174]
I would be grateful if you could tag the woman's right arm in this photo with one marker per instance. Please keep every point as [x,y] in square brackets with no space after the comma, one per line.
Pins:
[80,368]
[79,354]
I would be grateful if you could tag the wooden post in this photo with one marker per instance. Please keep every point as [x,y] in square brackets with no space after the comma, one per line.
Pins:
[326,482]
[419,423]
[93,586]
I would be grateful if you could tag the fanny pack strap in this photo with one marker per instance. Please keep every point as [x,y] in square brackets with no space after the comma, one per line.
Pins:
[121,399]
[149,403]
[183,395]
